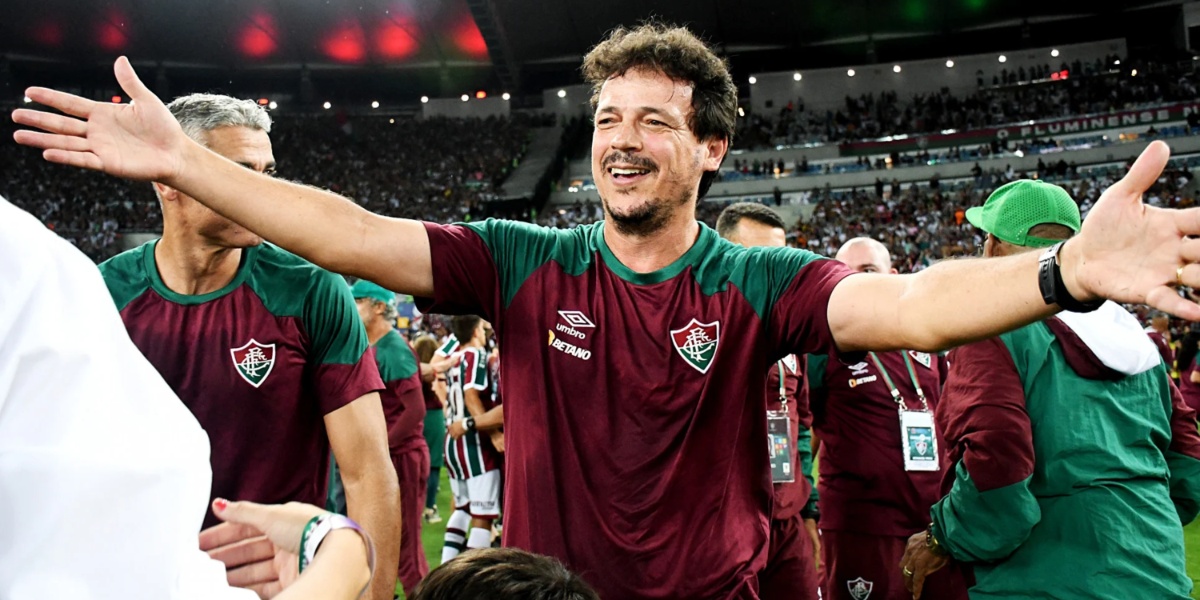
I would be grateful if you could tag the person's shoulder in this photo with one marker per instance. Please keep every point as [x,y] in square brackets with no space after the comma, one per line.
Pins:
[282,278]
[125,274]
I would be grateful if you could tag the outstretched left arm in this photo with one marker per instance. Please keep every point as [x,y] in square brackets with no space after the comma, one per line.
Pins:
[1126,252]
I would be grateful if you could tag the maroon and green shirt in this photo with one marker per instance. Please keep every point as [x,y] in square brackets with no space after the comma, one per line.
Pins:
[472,454]
[635,426]
[402,398]
[259,362]
[863,485]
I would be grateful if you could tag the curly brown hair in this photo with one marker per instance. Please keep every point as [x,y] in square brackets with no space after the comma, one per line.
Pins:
[680,55]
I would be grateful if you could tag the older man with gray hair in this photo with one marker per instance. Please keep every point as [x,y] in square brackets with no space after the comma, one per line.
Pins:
[264,348]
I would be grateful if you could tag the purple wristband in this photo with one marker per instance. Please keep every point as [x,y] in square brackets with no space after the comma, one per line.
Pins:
[321,526]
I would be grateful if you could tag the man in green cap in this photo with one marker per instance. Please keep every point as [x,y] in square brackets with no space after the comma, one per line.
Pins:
[404,410]
[1074,461]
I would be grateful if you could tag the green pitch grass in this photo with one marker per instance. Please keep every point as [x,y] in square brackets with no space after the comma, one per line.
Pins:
[431,538]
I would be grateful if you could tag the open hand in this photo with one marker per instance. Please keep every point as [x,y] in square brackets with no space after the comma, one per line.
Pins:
[140,140]
[1129,252]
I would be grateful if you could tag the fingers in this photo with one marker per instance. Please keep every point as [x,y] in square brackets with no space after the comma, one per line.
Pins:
[245,513]
[129,81]
[226,534]
[83,160]
[252,574]
[68,103]
[244,552]
[917,582]
[50,122]
[51,141]
[1167,299]
[1189,249]
[1145,169]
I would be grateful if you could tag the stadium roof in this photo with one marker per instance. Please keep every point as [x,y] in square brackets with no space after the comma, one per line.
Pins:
[445,47]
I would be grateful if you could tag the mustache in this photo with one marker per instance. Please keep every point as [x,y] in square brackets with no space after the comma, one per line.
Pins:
[629,159]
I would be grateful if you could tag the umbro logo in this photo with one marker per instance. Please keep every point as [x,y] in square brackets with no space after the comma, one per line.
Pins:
[858,368]
[576,319]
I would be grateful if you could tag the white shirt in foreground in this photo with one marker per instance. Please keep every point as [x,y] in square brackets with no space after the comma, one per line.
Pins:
[104,474]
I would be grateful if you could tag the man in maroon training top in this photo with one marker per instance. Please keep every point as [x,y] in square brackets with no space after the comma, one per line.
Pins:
[873,496]
[1160,333]
[264,348]
[635,431]
[791,570]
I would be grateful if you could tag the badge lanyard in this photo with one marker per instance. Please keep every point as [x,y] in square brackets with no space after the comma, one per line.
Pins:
[779,436]
[917,437]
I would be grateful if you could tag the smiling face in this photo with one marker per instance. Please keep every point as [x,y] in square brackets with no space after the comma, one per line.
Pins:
[646,161]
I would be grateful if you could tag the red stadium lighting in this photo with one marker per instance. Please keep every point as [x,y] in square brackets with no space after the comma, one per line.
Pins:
[116,99]
[468,39]
[257,38]
[394,41]
[347,43]
[111,33]
[263,101]
[481,94]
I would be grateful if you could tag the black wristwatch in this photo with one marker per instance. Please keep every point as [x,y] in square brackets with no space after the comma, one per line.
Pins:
[1054,291]
[469,423]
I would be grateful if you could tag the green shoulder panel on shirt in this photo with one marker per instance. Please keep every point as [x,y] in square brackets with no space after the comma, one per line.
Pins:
[124,275]
[518,249]
[761,275]
[394,357]
[290,286]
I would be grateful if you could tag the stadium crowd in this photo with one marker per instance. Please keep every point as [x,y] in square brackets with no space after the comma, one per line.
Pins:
[1100,88]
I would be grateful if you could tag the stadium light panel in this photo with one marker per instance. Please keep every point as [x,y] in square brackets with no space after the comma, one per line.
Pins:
[273,105]
[562,93]
[949,64]
[327,106]
[424,99]
[753,80]
[1134,73]
[116,99]
[741,112]
[374,104]
[1054,53]
[1003,58]
[1117,62]
[262,101]
[28,99]
[480,94]
[895,68]
[797,77]
[850,73]
[505,96]
[465,97]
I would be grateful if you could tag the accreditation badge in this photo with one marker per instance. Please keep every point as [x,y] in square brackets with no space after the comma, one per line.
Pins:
[779,446]
[920,443]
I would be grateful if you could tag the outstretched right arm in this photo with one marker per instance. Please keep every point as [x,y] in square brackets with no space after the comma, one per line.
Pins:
[141,140]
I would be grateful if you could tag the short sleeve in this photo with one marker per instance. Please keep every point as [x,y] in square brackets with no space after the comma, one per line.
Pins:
[799,318]
[341,368]
[478,268]
[474,370]
[465,278]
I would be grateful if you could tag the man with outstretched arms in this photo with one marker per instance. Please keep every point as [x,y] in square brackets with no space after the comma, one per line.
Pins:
[634,428]
[265,348]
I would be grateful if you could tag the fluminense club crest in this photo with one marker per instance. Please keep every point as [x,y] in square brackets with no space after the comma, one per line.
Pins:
[254,361]
[922,357]
[860,589]
[696,342]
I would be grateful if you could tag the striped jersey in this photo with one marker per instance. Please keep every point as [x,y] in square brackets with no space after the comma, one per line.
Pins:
[473,453]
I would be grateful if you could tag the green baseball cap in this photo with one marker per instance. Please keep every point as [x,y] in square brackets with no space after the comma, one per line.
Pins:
[1016,207]
[368,289]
